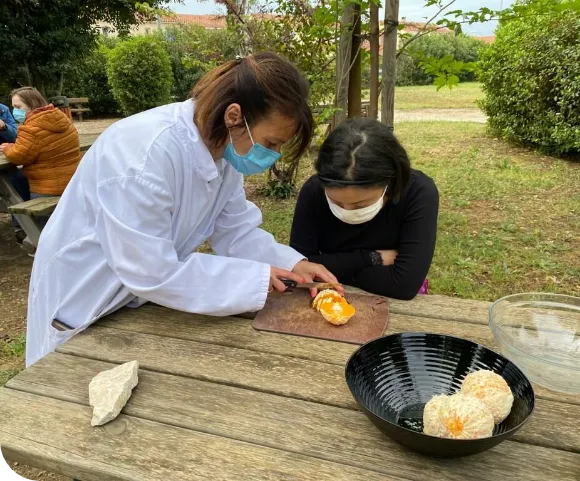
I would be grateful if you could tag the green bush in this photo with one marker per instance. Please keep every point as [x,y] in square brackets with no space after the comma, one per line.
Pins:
[409,73]
[89,79]
[140,76]
[193,51]
[460,47]
[531,82]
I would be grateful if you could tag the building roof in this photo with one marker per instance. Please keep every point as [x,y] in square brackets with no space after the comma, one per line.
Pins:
[410,27]
[487,39]
[414,27]
[205,21]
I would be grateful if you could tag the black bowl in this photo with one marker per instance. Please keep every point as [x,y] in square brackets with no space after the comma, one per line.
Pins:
[393,377]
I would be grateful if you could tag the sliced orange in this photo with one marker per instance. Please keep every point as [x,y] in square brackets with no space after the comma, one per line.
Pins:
[333,307]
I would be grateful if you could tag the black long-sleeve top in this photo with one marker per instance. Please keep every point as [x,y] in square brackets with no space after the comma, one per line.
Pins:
[408,226]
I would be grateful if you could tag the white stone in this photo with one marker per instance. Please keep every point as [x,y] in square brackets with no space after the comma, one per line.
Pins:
[110,390]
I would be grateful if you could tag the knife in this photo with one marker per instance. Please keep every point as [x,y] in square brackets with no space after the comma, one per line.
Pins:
[309,285]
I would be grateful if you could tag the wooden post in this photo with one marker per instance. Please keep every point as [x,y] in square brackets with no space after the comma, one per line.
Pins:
[390,62]
[343,65]
[374,44]
[354,83]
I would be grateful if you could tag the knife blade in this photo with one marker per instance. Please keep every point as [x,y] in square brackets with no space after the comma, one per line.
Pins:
[309,285]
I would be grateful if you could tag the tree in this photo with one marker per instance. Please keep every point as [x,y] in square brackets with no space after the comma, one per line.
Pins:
[40,39]
[343,64]
[390,62]
[375,54]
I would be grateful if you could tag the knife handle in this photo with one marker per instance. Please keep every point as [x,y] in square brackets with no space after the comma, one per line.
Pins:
[289,284]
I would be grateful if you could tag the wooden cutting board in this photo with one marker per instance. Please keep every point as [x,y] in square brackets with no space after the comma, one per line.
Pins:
[291,313]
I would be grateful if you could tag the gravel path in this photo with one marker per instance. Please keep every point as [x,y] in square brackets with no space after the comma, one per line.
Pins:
[451,115]
[90,127]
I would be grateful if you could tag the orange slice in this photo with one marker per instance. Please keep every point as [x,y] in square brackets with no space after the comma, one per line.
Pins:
[333,307]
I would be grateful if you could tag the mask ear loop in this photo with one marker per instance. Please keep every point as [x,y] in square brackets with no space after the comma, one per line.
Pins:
[249,133]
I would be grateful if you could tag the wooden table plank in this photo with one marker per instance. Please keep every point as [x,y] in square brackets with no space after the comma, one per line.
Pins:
[41,206]
[226,331]
[443,308]
[292,377]
[311,429]
[136,449]
[236,332]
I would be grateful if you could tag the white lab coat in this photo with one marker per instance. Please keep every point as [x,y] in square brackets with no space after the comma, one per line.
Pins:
[144,197]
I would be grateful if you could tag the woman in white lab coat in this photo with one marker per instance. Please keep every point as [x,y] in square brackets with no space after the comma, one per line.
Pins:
[154,187]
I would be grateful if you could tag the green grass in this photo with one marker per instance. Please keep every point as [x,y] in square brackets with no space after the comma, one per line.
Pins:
[427,97]
[12,358]
[509,218]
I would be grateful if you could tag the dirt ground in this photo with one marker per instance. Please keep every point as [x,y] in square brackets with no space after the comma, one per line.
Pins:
[14,276]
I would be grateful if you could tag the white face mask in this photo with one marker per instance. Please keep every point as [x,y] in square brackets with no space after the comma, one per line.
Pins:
[357,216]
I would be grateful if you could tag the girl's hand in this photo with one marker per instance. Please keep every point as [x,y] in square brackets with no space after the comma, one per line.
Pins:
[276,274]
[312,272]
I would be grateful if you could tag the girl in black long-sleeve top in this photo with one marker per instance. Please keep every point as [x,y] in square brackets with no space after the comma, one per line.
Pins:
[367,216]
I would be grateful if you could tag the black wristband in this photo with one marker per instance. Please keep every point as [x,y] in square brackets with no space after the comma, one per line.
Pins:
[376,258]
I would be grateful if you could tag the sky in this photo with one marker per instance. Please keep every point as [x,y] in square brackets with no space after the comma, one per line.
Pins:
[413,10]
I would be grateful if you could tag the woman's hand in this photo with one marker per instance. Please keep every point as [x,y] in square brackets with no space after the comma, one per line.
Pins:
[388,257]
[2,147]
[276,274]
[312,272]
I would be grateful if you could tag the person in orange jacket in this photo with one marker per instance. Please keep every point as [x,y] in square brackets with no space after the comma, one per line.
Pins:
[47,144]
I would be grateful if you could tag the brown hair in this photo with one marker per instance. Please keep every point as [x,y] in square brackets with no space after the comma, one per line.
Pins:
[30,96]
[260,84]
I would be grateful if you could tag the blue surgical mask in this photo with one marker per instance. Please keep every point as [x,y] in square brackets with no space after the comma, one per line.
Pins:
[257,160]
[19,115]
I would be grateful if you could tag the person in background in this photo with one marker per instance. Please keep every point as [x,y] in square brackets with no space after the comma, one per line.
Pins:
[47,144]
[7,125]
[366,215]
[157,185]
[8,128]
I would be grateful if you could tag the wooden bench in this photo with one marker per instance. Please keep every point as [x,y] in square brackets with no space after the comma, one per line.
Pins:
[39,207]
[27,212]
[77,106]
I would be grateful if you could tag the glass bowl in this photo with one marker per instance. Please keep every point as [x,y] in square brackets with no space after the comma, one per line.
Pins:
[540,333]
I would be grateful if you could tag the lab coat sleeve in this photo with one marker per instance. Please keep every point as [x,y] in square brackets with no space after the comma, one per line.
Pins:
[237,234]
[134,225]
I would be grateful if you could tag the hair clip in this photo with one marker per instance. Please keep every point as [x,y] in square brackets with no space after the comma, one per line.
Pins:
[239,59]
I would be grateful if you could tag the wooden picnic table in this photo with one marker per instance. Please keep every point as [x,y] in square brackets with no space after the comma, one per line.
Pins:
[9,196]
[218,400]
